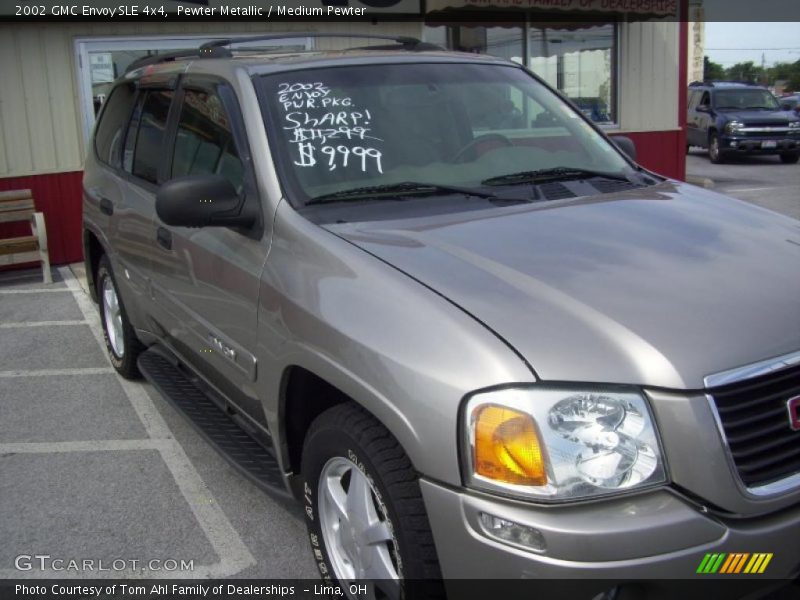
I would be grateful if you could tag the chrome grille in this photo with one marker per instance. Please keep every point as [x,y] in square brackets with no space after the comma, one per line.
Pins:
[755,419]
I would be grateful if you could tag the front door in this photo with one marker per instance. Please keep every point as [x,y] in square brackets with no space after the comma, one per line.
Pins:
[206,280]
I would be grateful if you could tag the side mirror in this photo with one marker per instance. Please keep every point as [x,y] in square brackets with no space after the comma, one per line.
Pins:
[203,201]
[626,145]
[786,107]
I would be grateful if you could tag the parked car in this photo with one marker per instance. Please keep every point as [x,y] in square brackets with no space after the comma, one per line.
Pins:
[733,119]
[465,353]
[790,103]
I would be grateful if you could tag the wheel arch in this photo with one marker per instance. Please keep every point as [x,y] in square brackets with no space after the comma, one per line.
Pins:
[306,392]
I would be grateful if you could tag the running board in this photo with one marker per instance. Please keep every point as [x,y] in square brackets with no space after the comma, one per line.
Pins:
[238,447]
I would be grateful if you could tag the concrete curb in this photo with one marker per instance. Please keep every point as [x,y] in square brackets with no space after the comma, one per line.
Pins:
[700,181]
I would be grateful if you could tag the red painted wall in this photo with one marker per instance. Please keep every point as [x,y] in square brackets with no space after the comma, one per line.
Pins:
[661,151]
[59,197]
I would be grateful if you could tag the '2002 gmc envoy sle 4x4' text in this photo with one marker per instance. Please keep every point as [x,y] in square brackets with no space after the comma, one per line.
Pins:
[460,326]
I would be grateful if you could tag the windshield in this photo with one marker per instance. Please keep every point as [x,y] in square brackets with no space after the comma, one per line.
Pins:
[745,100]
[355,127]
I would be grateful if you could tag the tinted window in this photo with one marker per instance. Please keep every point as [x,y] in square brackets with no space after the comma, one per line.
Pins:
[745,100]
[457,124]
[111,129]
[204,143]
[150,134]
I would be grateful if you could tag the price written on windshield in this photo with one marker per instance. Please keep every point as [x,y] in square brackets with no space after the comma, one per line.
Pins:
[328,130]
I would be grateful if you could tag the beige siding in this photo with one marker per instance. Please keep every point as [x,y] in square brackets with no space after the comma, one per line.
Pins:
[41,127]
[648,76]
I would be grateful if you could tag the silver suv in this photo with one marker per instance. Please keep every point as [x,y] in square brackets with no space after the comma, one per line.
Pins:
[420,293]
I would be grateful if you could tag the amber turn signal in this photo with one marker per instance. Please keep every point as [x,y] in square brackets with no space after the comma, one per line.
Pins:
[506,446]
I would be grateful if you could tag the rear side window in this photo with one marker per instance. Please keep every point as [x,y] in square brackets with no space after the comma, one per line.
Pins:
[204,143]
[152,124]
[110,132]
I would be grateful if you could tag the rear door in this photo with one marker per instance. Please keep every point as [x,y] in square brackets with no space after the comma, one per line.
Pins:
[206,280]
[120,194]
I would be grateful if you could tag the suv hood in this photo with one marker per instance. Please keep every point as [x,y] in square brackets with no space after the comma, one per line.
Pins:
[657,286]
[764,117]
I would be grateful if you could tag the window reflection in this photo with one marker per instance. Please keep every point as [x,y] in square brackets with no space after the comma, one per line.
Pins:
[578,60]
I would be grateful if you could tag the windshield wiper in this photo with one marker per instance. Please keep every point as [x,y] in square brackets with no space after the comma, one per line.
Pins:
[395,190]
[554,174]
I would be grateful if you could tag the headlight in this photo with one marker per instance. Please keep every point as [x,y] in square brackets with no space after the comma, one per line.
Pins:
[559,444]
[733,126]
[794,125]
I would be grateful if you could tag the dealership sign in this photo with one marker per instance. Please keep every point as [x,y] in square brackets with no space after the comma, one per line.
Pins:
[650,7]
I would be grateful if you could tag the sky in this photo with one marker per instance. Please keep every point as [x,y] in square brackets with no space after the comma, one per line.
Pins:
[731,42]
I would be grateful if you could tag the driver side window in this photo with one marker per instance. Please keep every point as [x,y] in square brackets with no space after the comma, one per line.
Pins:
[204,142]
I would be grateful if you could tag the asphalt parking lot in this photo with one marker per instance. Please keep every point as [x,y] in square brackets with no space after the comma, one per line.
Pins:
[762,180]
[93,467]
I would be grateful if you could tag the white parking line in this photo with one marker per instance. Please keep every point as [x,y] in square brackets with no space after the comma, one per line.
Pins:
[87,446]
[35,291]
[234,554]
[758,189]
[40,324]
[57,372]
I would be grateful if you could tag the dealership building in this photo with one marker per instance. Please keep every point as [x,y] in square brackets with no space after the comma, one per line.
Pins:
[623,62]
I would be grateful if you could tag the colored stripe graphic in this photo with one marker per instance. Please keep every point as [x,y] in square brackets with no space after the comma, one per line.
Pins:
[727,564]
[703,563]
[740,563]
[734,563]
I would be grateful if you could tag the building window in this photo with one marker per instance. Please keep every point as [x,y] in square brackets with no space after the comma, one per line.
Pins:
[579,60]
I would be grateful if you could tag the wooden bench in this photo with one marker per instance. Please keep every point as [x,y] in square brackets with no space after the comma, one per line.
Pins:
[17,205]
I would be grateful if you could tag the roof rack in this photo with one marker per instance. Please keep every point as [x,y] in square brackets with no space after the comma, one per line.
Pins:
[160,58]
[218,47]
[724,84]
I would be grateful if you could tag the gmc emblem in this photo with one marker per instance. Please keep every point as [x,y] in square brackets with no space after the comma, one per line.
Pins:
[793,406]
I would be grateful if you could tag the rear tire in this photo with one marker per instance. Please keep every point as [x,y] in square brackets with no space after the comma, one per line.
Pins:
[790,158]
[121,342]
[359,486]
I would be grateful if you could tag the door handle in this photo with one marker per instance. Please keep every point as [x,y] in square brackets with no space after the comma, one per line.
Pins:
[106,206]
[164,238]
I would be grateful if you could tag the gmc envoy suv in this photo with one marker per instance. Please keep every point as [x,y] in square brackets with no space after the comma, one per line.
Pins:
[421,295]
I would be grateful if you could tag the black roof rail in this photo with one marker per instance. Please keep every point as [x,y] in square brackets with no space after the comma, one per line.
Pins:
[172,56]
[405,42]
[218,48]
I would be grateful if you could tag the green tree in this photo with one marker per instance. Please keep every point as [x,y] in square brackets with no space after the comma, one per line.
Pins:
[712,71]
[745,71]
[785,71]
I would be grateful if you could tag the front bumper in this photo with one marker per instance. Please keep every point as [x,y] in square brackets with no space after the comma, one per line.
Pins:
[655,535]
[759,145]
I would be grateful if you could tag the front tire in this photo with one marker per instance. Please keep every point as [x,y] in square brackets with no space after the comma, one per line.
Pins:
[790,158]
[121,342]
[715,153]
[364,511]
